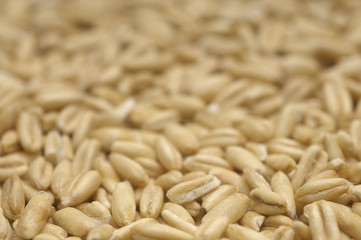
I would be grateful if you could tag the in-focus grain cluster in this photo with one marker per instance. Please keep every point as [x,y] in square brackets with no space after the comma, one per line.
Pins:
[181,119]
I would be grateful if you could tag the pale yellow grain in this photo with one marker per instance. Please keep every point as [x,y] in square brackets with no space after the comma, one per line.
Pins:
[277,221]
[160,120]
[252,220]
[255,179]
[54,230]
[211,199]
[211,150]
[281,162]
[10,142]
[256,129]
[85,156]
[30,132]
[152,167]
[107,172]
[212,230]
[151,200]
[283,233]
[178,210]
[12,198]
[326,189]
[133,149]
[232,207]
[83,130]
[45,236]
[129,169]
[123,204]
[124,233]
[193,208]
[73,221]
[15,163]
[182,138]
[40,173]
[159,231]
[193,189]
[169,179]
[231,178]
[266,202]
[203,162]
[175,221]
[281,184]
[97,211]
[81,187]
[167,154]
[35,215]
[102,196]
[101,232]
[222,137]
[62,175]
[237,232]
[240,158]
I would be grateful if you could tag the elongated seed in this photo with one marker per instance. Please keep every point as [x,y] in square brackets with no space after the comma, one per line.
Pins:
[35,215]
[129,169]
[73,221]
[123,204]
[190,190]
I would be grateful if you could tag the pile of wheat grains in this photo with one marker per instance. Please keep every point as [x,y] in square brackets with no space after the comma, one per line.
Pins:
[180,120]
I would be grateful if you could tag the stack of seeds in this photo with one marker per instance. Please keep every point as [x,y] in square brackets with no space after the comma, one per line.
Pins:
[180,119]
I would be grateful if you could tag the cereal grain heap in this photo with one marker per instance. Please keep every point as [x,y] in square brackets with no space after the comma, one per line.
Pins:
[180,119]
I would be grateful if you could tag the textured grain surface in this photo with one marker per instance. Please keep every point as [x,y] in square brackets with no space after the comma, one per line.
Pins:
[180,119]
